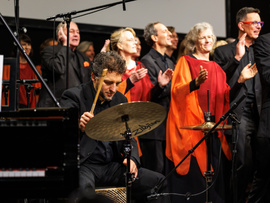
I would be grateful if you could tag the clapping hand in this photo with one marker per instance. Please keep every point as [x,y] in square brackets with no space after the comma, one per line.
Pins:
[248,72]
[138,75]
[203,75]
[165,78]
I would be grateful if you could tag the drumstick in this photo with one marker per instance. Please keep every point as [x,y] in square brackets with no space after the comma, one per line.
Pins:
[104,72]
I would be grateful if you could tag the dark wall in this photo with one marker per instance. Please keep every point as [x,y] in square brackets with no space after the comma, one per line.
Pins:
[39,30]
[234,5]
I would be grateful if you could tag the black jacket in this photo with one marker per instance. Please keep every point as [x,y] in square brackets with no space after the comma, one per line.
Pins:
[224,56]
[262,59]
[54,70]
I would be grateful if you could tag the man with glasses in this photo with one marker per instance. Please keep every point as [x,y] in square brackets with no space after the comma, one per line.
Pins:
[233,58]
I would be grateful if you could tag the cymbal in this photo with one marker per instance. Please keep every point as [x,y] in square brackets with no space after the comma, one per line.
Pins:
[109,126]
[206,126]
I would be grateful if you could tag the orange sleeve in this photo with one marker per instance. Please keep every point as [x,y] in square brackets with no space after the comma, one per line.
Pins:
[184,111]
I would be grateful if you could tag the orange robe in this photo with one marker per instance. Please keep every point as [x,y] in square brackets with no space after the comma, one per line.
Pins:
[186,109]
[140,92]
[26,72]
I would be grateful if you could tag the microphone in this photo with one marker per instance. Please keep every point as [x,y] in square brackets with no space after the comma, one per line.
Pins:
[233,116]
[21,30]
[124,5]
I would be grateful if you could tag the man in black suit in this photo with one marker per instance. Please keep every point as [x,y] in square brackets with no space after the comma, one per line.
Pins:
[54,69]
[157,62]
[261,181]
[233,58]
[101,162]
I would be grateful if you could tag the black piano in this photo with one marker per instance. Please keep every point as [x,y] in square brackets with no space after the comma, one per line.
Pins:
[39,153]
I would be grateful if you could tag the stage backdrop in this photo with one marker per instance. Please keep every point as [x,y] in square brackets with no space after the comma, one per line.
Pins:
[182,14]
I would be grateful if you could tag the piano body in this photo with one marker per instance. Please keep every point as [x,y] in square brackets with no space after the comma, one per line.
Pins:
[39,153]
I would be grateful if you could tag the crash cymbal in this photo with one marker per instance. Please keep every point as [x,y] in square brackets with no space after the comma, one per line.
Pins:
[206,126]
[109,126]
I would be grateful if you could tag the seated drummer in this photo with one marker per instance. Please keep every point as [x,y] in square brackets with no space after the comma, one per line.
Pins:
[101,162]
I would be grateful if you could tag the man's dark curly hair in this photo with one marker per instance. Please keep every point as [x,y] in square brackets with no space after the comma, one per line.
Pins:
[110,60]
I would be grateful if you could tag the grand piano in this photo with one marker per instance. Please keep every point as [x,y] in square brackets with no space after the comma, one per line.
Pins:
[39,153]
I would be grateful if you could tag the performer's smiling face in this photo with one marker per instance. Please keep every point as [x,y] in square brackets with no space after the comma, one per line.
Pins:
[109,85]
[205,41]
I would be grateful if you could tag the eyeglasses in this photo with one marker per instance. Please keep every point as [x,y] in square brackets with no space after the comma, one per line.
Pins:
[255,23]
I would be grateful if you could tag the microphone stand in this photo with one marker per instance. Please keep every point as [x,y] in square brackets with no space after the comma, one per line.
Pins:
[155,190]
[234,156]
[67,18]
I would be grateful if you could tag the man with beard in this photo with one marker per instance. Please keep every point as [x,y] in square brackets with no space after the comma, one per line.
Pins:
[101,162]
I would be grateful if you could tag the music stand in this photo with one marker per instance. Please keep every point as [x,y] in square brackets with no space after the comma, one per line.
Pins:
[29,60]
[11,86]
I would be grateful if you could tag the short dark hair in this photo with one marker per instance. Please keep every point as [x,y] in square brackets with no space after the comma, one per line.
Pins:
[171,29]
[110,60]
[242,13]
[27,39]
[150,30]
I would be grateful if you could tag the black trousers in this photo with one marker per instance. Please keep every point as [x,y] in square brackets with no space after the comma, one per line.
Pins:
[247,135]
[112,174]
[153,155]
[261,182]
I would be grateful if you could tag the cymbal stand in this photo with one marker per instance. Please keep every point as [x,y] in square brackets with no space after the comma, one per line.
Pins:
[127,152]
[208,173]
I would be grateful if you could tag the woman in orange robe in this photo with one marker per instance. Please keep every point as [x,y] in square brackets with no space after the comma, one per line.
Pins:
[194,75]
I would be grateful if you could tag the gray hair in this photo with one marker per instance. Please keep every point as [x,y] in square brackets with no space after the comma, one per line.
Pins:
[150,30]
[193,36]
[84,46]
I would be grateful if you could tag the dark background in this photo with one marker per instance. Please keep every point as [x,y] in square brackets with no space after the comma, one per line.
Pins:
[39,30]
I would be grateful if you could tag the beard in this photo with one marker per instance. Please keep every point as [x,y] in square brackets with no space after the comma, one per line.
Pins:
[104,97]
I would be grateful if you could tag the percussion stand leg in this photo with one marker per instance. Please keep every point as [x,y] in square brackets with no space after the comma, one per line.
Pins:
[127,152]
[208,174]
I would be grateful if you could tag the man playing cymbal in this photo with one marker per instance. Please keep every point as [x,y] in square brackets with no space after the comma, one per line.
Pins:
[102,162]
